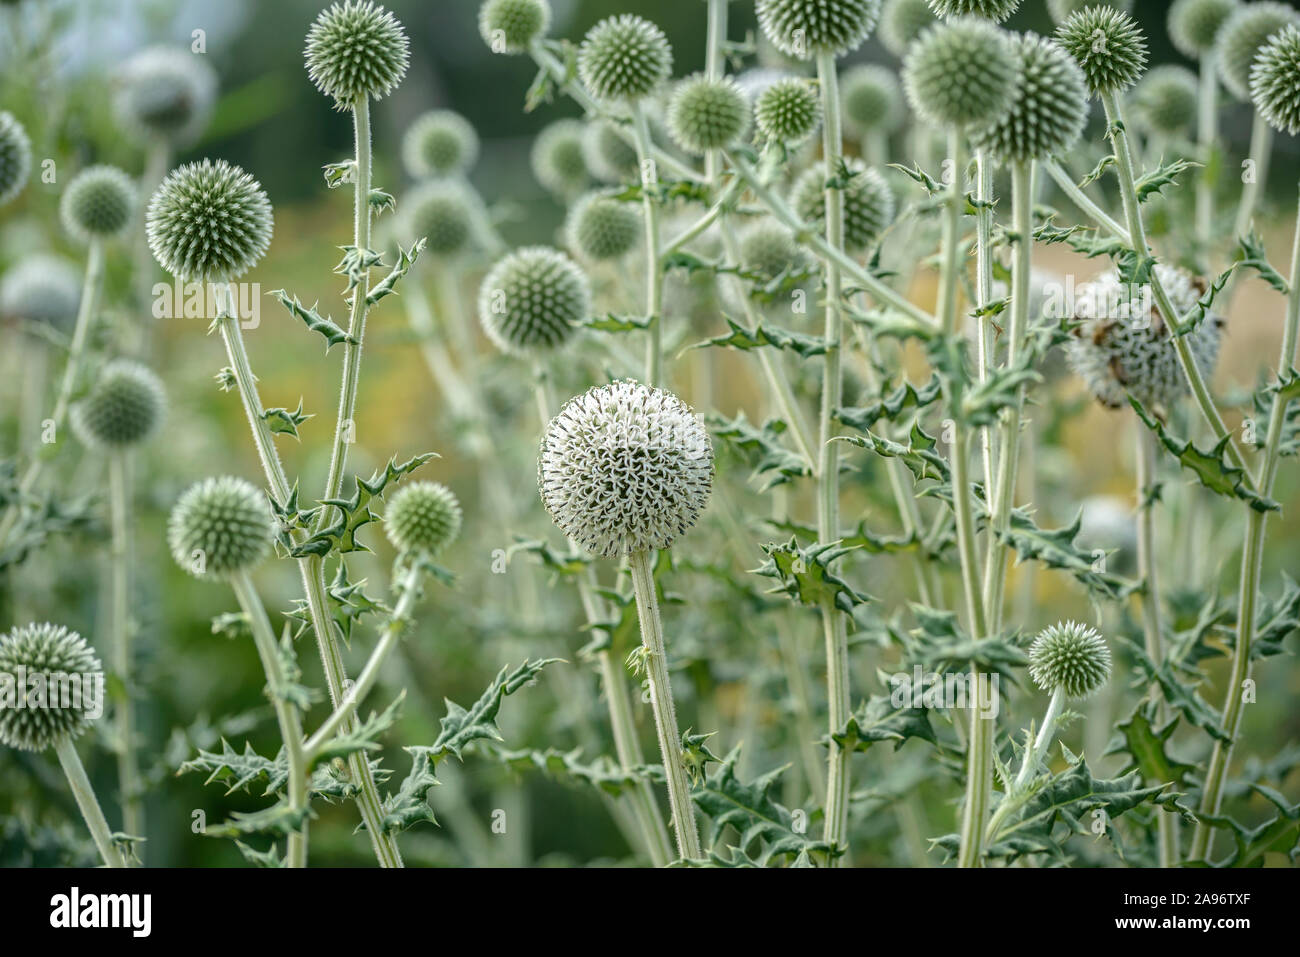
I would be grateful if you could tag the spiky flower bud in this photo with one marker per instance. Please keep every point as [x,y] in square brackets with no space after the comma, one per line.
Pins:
[960,74]
[1108,45]
[1243,35]
[448,213]
[220,527]
[557,158]
[1070,656]
[356,49]
[124,407]
[788,111]
[209,222]
[1062,10]
[532,300]
[1124,345]
[901,22]
[439,143]
[1275,81]
[769,249]
[600,227]
[869,203]
[15,157]
[625,468]
[1048,111]
[422,518]
[624,58]
[1194,25]
[166,92]
[872,100]
[995,10]
[42,288]
[1165,102]
[805,28]
[706,114]
[610,158]
[509,26]
[97,203]
[48,656]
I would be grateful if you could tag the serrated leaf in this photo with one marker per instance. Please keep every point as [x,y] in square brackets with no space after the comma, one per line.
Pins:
[284,422]
[1152,183]
[363,736]
[1055,548]
[461,726]
[405,259]
[745,339]
[891,406]
[239,770]
[614,323]
[1146,747]
[1279,835]
[1181,695]
[314,321]
[381,202]
[603,773]
[772,462]
[339,174]
[353,513]
[1251,254]
[878,719]
[805,574]
[918,455]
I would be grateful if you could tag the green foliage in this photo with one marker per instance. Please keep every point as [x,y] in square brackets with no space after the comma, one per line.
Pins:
[805,574]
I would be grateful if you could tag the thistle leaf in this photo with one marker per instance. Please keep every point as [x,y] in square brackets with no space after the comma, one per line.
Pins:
[405,259]
[761,335]
[805,574]
[314,321]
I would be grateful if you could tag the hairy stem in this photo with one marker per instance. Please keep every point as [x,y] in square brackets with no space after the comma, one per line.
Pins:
[983,296]
[87,802]
[128,764]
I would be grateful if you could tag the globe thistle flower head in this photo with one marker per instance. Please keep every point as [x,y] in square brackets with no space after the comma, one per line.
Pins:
[423,518]
[1194,25]
[439,143]
[625,468]
[1049,108]
[871,100]
[1244,35]
[123,408]
[356,49]
[557,158]
[1124,346]
[995,10]
[869,203]
[768,249]
[624,58]
[209,222]
[1062,10]
[97,203]
[600,227]
[960,74]
[15,157]
[788,111]
[42,288]
[902,21]
[532,300]
[447,213]
[609,157]
[220,527]
[510,26]
[46,718]
[1166,100]
[167,93]
[1275,81]
[1108,45]
[706,114]
[1072,657]
[803,29]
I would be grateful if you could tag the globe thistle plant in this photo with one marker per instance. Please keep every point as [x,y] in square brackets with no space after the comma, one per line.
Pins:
[624,58]
[532,301]
[220,527]
[123,408]
[869,203]
[423,518]
[610,158]
[1275,81]
[209,222]
[706,114]
[1070,657]
[97,203]
[166,93]
[600,227]
[42,288]
[804,29]
[1108,45]
[901,22]
[768,248]
[511,26]
[439,143]
[1244,35]
[872,100]
[448,214]
[995,10]
[960,74]
[788,111]
[1194,25]
[1166,101]
[1062,10]
[557,158]
[356,50]
[15,157]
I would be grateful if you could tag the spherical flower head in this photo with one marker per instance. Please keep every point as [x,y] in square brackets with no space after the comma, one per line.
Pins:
[624,58]
[209,222]
[1062,10]
[1243,36]
[532,300]
[1072,657]
[609,157]
[706,114]
[123,408]
[803,29]
[1048,111]
[439,143]
[423,518]
[624,468]
[15,157]
[869,203]
[42,288]
[510,26]
[356,49]
[768,249]
[961,74]
[53,655]
[1275,81]
[1166,100]
[97,203]
[995,10]
[448,214]
[220,527]
[788,111]
[1194,25]
[557,158]
[871,99]
[1124,346]
[600,227]
[902,21]
[166,93]
[1108,45]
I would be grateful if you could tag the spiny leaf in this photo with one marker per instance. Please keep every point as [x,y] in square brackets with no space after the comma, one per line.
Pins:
[805,574]
[1282,394]
[238,770]
[1146,747]
[267,858]
[1251,254]
[891,406]
[1151,184]
[461,727]
[1181,695]
[928,183]
[354,512]
[1104,164]
[339,174]
[314,321]
[939,644]
[363,736]
[356,264]
[612,323]
[279,818]
[918,455]
[880,719]
[405,259]
[1055,548]
[568,563]
[284,422]
[772,462]
[1280,835]
[603,773]
[745,339]
[381,202]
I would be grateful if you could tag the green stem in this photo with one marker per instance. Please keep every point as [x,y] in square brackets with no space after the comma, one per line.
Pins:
[1207,135]
[128,765]
[984,295]
[654,278]
[697,228]
[1034,755]
[86,801]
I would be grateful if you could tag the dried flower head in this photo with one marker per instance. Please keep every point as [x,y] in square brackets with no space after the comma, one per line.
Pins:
[1062,10]
[15,157]
[1070,656]
[805,28]
[995,10]
[610,158]
[624,58]
[447,213]
[788,111]
[1194,25]
[42,288]
[902,21]
[961,74]
[869,203]
[423,518]
[123,408]
[601,227]
[872,100]
[706,114]
[625,468]
[1109,46]
[557,158]
[220,527]
[97,203]
[439,143]
[209,222]
[510,26]
[1275,81]
[166,92]
[1242,37]
[532,300]
[1166,99]
[54,654]
[356,49]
